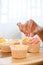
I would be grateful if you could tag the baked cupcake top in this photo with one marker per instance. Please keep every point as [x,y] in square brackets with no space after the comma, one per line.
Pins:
[29,40]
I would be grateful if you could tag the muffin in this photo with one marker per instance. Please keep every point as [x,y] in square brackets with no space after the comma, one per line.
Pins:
[2,40]
[19,51]
[5,47]
[25,40]
[14,41]
[33,43]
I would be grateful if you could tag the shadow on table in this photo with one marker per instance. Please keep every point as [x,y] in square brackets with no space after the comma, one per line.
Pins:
[5,54]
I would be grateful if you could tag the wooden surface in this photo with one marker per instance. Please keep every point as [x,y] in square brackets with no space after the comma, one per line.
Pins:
[32,58]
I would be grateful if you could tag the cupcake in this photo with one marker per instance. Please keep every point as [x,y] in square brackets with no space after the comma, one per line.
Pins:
[4,45]
[33,43]
[14,41]
[25,40]
[2,40]
[19,51]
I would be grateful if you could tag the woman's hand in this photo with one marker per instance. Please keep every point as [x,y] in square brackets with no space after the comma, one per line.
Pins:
[30,28]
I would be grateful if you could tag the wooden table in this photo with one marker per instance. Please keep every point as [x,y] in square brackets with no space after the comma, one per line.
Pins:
[32,58]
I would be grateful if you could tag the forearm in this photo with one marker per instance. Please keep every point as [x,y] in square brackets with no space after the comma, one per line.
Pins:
[40,33]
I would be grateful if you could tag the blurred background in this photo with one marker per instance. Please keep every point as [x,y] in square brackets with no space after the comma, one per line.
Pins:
[13,11]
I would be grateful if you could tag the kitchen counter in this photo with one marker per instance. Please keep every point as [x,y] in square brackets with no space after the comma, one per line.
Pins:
[32,58]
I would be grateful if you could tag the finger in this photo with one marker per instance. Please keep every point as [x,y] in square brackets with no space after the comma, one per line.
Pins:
[27,33]
[25,24]
[18,24]
[31,34]
[21,27]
